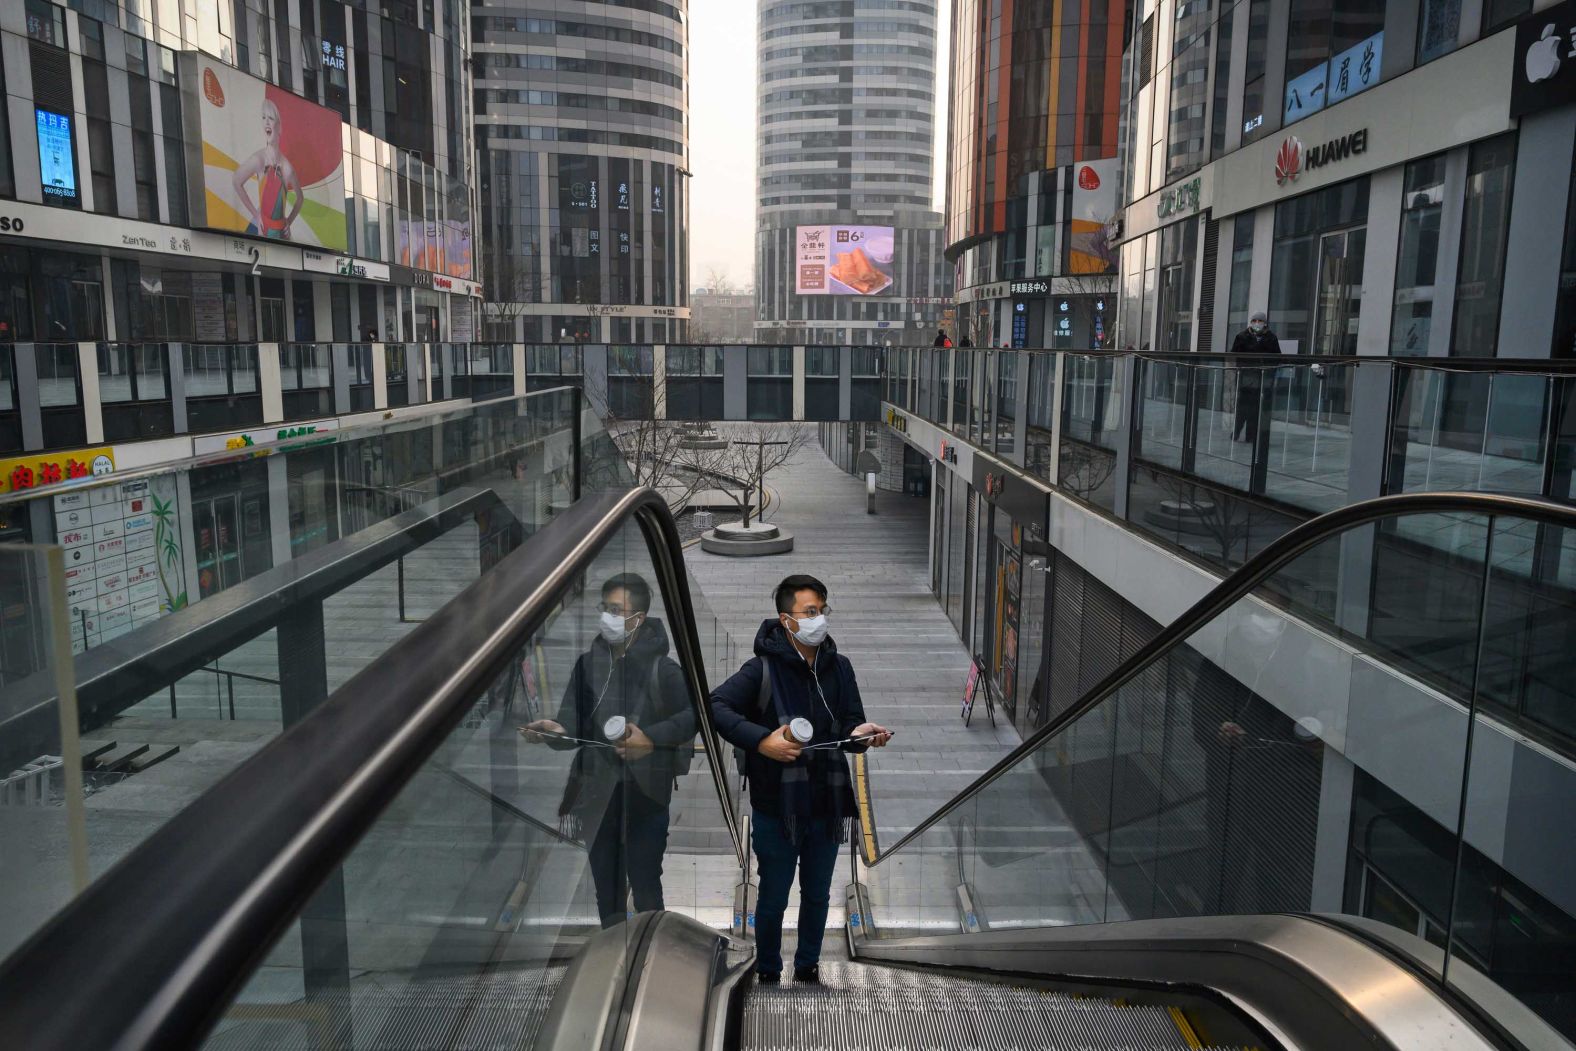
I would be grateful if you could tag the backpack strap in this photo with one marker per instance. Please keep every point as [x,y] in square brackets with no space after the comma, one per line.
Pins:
[763,698]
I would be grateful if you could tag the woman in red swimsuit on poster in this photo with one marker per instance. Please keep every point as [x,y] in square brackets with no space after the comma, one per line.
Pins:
[276,182]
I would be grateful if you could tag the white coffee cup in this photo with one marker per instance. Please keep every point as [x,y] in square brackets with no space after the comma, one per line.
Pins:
[801,730]
[616,729]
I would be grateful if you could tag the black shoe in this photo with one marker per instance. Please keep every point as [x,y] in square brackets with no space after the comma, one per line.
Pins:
[807,975]
[768,979]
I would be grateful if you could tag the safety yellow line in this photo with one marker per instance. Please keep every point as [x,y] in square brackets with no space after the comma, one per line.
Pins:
[1185,1027]
[867,822]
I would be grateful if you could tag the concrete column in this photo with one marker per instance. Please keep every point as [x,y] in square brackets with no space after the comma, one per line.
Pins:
[845,384]
[1379,257]
[798,383]
[380,377]
[1332,831]
[92,403]
[175,365]
[594,373]
[270,384]
[1263,222]
[1532,258]
[341,357]
[659,382]
[322,311]
[1372,392]
[1123,380]
[26,364]
[1020,409]
[1056,418]
[279,508]
[735,382]
[517,367]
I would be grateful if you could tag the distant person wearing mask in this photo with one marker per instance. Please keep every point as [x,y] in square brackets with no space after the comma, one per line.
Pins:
[621,785]
[942,339]
[1256,339]
[797,691]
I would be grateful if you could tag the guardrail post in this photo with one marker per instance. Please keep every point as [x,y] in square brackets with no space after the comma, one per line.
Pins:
[325,943]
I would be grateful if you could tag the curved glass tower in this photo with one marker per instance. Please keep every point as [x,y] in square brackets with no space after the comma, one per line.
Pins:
[582,123]
[846,103]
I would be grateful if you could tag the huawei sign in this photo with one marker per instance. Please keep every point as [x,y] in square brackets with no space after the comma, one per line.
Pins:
[1288,160]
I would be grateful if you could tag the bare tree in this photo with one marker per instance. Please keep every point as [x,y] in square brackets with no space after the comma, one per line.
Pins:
[717,280]
[663,455]
[513,282]
[754,451]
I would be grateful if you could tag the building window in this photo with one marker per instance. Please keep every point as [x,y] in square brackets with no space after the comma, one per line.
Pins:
[1334,50]
[1253,77]
[1422,201]
[1439,29]
[1316,270]
[1178,250]
[1237,308]
[1485,224]
[46,22]
[1565,311]
[1499,13]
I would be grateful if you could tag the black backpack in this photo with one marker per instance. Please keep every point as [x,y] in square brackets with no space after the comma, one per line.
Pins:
[763,703]
[681,755]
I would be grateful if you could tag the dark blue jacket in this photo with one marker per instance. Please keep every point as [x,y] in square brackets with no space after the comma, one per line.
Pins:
[734,707]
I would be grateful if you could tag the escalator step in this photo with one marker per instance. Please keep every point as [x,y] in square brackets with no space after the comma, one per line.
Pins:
[858,1007]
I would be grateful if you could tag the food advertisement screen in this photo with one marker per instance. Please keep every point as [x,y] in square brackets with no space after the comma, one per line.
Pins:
[843,260]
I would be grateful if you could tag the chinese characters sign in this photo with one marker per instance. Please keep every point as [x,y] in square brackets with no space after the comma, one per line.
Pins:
[38,469]
[57,167]
[1353,70]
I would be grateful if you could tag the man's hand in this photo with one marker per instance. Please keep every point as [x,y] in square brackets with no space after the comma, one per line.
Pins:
[635,745]
[883,735]
[779,746]
[1230,733]
[534,731]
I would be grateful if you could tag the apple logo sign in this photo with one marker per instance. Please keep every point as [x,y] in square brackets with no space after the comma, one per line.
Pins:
[1543,56]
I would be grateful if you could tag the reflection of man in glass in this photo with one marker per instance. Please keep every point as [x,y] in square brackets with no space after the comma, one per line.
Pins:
[276,181]
[627,713]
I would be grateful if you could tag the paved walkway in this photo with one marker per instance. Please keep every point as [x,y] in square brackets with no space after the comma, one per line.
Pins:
[910,663]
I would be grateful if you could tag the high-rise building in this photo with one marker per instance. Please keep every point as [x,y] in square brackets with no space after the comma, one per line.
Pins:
[296,171]
[848,247]
[1379,178]
[582,125]
[1032,180]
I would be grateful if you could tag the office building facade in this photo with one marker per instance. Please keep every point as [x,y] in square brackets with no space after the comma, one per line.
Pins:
[235,172]
[846,107]
[1032,176]
[582,123]
[1382,179]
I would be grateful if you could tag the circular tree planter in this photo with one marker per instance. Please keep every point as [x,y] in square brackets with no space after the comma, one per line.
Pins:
[738,540]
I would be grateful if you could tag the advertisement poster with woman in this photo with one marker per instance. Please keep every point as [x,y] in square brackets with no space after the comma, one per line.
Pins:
[273,163]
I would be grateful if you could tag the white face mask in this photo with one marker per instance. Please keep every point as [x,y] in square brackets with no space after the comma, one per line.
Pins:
[811,630]
[613,630]
[1258,326]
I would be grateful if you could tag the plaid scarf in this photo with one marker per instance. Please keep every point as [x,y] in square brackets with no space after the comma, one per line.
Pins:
[825,767]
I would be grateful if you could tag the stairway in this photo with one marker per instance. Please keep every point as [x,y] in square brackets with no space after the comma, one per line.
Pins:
[860,1006]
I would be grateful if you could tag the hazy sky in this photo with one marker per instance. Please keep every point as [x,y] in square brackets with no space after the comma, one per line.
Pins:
[722,136]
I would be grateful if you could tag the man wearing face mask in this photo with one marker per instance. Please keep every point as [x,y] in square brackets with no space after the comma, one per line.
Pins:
[794,709]
[626,711]
[1255,339]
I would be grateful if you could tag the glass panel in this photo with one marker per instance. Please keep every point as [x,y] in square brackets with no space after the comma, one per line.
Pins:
[160,547]
[57,373]
[1485,228]
[44,862]
[509,847]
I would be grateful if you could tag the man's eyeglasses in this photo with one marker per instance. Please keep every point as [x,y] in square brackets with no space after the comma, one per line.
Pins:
[813,611]
[615,609]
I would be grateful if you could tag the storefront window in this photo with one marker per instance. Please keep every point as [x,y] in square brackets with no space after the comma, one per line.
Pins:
[1439,30]
[1178,248]
[1334,50]
[16,297]
[1565,313]
[69,292]
[1237,308]
[1485,225]
[1422,200]
[1316,269]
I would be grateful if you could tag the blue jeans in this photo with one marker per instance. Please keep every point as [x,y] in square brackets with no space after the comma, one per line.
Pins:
[776,858]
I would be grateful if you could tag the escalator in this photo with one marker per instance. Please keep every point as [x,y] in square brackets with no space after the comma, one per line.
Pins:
[405,868]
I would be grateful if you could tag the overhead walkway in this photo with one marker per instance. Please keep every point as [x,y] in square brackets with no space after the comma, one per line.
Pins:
[400,867]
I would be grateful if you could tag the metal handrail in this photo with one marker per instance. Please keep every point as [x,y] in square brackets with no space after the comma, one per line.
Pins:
[162,943]
[1238,585]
